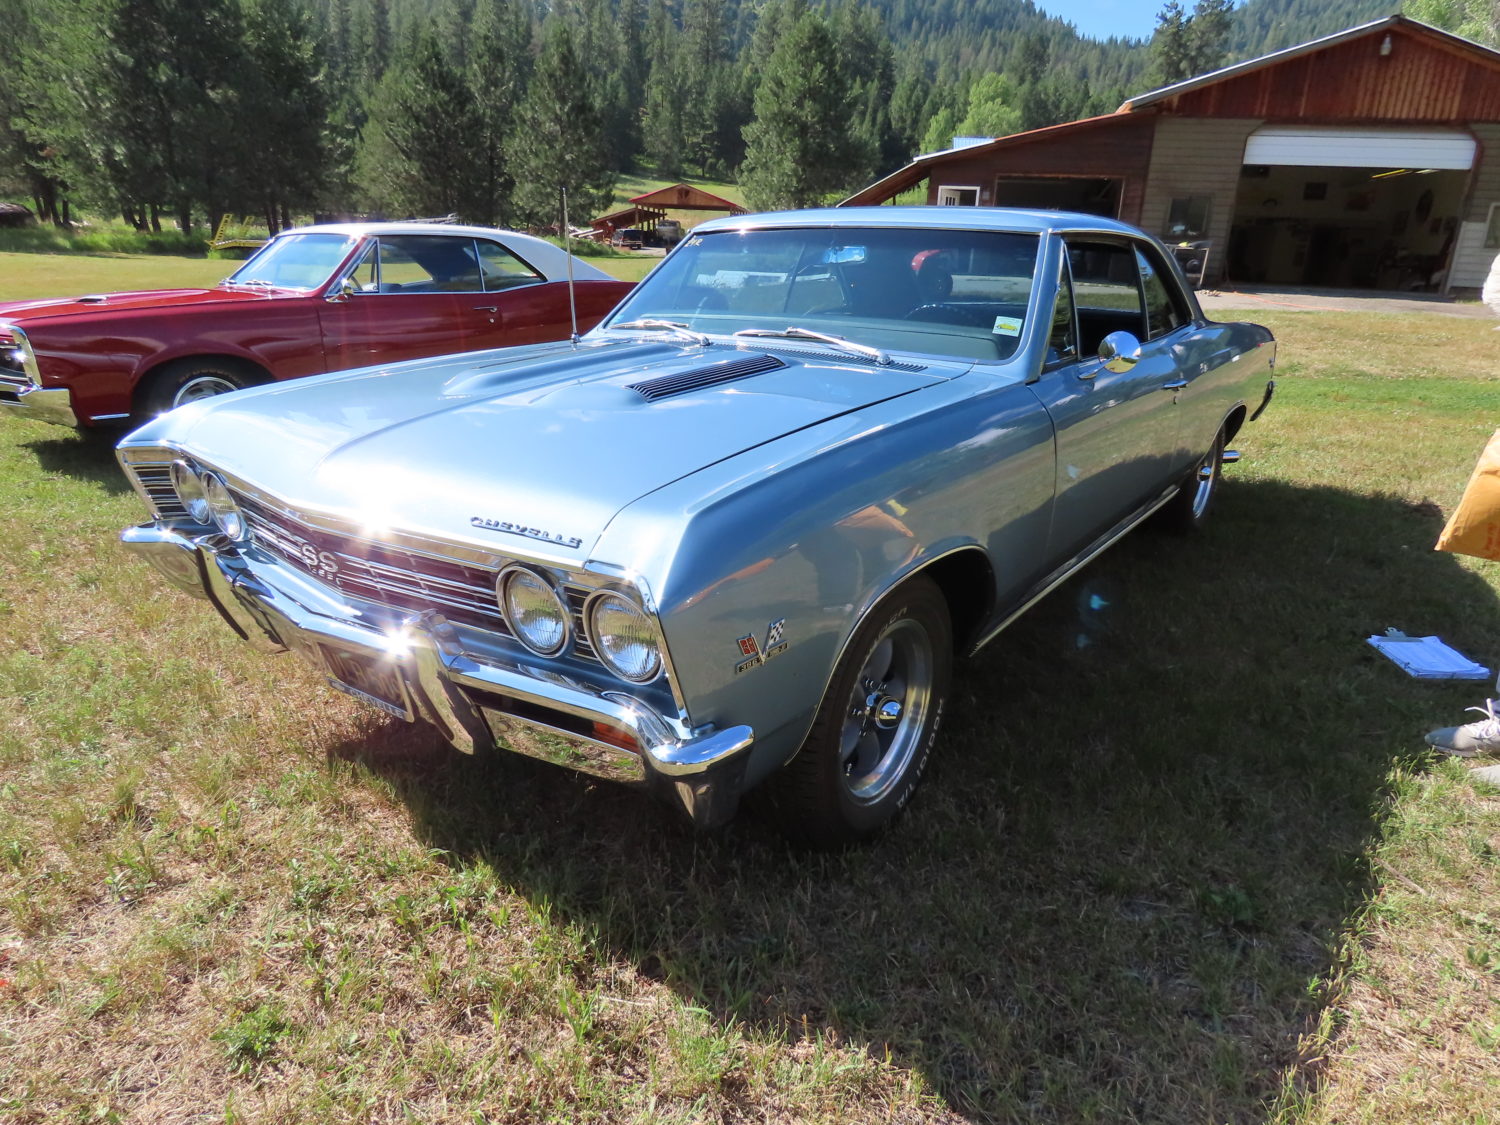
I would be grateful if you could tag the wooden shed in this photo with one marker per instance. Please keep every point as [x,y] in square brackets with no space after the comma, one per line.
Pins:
[1369,158]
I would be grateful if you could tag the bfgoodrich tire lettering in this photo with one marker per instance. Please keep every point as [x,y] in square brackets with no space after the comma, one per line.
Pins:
[872,738]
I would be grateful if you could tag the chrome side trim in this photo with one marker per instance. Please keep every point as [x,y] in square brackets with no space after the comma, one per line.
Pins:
[1074,565]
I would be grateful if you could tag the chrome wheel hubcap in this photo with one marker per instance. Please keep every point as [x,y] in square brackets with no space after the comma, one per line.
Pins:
[203,386]
[887,712]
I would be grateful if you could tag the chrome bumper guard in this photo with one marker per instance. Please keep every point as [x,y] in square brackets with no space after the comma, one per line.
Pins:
[420,669]
[21,394]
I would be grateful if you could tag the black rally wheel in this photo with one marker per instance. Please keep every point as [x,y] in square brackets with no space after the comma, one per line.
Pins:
[873,734]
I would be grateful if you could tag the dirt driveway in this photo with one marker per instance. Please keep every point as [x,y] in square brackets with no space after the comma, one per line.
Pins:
[1338,300]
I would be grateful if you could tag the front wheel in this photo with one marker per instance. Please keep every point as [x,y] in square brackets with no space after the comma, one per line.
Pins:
[1188,510]
[188,380]
[873,734]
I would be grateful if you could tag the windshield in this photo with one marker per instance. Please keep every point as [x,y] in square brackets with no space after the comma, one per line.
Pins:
[294,261]
[958,293]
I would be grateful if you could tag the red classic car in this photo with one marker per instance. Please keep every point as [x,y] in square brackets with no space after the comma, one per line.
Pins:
[315,299]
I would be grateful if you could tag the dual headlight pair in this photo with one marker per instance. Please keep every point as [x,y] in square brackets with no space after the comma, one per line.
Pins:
[620,632]
[207,500]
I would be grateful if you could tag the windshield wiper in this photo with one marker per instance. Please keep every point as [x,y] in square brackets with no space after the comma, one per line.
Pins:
[681,331]
[792,332]
[252,282]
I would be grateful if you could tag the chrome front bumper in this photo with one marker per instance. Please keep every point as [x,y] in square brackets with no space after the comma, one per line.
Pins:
[426,670]
[54,405]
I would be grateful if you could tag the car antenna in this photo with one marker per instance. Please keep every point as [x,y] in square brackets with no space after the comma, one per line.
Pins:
[567,234]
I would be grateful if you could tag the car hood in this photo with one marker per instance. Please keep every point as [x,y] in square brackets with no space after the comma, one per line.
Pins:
[19,312]
[542,444]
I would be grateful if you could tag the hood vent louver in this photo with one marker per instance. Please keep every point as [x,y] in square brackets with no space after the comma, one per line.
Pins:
[725,371]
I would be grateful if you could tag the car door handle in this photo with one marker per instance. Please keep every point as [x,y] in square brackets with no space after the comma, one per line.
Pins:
[1174,385]
[487,308]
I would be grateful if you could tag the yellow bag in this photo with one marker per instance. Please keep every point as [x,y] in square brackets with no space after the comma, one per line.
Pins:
[1474,527]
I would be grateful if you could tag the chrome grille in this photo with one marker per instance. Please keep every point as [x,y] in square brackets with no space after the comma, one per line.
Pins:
[393,576]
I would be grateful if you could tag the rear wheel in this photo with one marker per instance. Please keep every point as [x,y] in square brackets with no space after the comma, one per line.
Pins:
[1189,509]
[873,734]
[189,380]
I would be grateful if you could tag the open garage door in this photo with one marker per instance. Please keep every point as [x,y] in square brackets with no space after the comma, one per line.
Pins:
[1349,208]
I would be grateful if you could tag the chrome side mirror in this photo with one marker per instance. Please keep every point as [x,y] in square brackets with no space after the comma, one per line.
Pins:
[342,291]
[1119,351]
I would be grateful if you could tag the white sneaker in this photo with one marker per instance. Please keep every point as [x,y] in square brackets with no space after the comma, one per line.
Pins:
[1479,737]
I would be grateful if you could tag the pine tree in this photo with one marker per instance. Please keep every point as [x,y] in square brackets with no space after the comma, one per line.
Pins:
[415,155]
[1473,19]
[499,66]
[1171,52]
[559,140]
[799,150]
[281,111]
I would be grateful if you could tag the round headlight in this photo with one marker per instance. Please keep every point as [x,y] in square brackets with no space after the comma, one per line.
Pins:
[532,609]
[226,513]
[189,488]
[624,638]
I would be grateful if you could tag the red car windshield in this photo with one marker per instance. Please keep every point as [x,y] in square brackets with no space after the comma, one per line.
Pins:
[294,261]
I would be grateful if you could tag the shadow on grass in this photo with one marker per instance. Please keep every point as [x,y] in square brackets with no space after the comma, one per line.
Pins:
[86,455]
[1141,843]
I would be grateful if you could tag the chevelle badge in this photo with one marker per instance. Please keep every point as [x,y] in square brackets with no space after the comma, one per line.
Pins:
[530,532]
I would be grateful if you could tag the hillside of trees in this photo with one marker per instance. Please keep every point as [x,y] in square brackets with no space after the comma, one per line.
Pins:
[484,108]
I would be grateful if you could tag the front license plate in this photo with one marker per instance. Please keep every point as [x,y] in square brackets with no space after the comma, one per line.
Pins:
[366,679]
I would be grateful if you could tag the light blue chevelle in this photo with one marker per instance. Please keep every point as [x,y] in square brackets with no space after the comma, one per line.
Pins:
[735,536]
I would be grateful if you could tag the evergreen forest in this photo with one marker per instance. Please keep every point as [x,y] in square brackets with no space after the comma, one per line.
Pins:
[174,113]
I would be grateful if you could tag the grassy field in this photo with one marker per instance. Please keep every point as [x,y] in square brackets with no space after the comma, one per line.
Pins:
[1182,859]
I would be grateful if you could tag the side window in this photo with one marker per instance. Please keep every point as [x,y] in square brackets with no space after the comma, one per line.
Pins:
[1164,311]
[1106,291]
[1062,343]
[502,269]
[428,264]
[363,275]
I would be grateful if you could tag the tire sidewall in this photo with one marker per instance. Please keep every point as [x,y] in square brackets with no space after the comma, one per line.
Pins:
[160,395]
[918,600]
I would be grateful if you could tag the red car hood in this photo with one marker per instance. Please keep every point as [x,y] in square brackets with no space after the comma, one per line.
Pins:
[22,311]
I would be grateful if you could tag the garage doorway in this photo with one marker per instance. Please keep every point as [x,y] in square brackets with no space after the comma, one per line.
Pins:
[1349,208]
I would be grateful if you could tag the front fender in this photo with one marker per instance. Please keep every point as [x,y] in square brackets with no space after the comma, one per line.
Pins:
[763,565]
